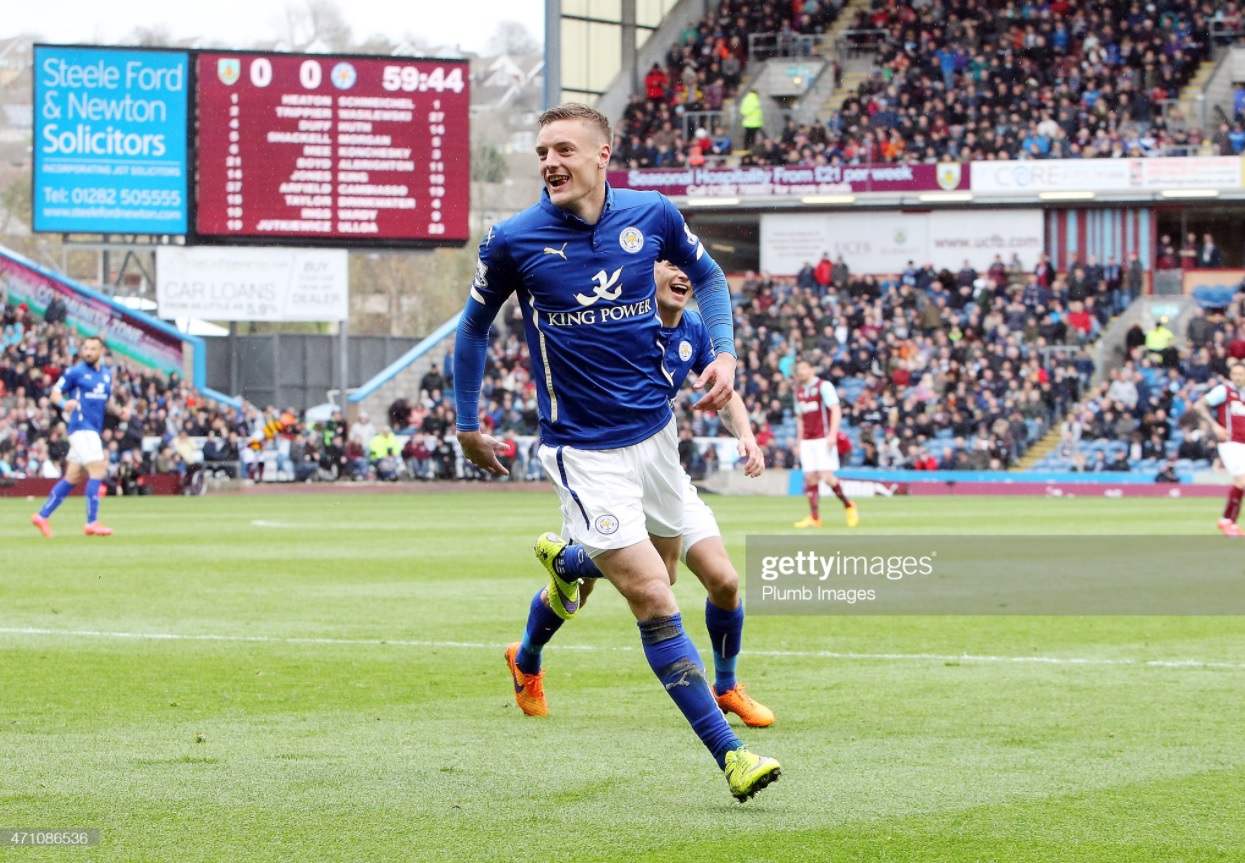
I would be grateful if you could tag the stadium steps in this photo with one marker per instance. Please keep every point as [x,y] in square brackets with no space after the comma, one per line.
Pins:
[1193,93]
[1039,450]
[855,69]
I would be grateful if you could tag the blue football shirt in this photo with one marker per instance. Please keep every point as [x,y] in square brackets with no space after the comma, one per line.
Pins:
[688,349]
[91,388]
[589,302]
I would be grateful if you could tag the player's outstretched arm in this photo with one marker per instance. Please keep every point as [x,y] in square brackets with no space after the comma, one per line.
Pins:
[470,354]
[713,296]
[735,420]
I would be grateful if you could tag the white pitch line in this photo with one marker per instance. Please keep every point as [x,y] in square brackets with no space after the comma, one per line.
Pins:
[480,645]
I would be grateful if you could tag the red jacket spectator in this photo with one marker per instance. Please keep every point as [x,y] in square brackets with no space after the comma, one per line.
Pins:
[1236,349]
[655,83]
[823,270]
[925,462]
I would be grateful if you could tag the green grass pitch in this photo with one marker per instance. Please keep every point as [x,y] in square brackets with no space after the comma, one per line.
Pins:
[320,678]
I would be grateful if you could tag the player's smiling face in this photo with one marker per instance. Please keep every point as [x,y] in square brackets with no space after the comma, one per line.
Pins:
[572,165]
[673,287]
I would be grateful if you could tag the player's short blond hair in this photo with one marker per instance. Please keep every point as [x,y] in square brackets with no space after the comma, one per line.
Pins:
[589,116]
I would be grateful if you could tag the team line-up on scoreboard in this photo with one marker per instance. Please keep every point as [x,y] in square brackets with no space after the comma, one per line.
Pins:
[251,147]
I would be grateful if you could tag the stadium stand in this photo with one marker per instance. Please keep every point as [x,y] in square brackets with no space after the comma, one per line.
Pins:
[1140,418]
[965,369]
[955,371]
[963,81]
[140,437]
[702,72]
[1074,80]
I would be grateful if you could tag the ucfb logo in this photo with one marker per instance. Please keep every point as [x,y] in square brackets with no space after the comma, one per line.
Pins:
[606,288]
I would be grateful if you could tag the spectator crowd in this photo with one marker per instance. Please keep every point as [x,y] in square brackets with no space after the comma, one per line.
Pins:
[961,80]
[1141,417]
[936,370]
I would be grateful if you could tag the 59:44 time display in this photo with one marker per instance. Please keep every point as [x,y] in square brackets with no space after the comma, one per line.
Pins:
[409,79]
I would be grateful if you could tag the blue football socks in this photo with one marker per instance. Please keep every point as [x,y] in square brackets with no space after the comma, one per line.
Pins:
[677,665]
[726,630]
[92,499]
[574,563]
[542,623]
[60,491]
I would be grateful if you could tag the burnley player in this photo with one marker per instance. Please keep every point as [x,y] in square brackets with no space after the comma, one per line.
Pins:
[1228,424]
[817,418]
[82,394]
[688,348]
[581,263]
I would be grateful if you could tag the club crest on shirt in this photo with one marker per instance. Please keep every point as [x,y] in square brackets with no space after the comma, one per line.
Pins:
[685,350]
[631,239]
[606,524]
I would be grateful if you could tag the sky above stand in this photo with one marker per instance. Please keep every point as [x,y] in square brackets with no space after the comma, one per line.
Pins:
[242,23]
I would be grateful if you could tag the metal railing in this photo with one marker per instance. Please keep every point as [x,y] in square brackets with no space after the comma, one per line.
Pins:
[709,120]
[859,43]
[1223,34]
[767,46]
[842,46]
[1176,113]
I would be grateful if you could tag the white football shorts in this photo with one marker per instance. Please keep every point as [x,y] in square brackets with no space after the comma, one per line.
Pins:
[819,454]
[698,519]
[85,448]
[615,498]
[1232,455]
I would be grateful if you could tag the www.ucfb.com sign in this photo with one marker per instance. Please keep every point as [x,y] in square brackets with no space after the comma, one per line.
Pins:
[783,181]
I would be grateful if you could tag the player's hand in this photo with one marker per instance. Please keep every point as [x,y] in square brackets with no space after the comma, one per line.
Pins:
[69,405]
[755,464]
[481,450]
[1221,433]
[721,374]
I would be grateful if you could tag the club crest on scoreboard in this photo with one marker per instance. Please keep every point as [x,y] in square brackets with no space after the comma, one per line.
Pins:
[229,70]
[343,76]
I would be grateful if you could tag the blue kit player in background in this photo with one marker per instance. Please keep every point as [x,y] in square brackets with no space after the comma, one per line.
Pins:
[82,394]
[581,263]
[688,349]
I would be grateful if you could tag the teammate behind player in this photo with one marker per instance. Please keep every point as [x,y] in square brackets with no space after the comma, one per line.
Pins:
[687,348]
[1228,424]
[817,417]
[82,394]
[581,262]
